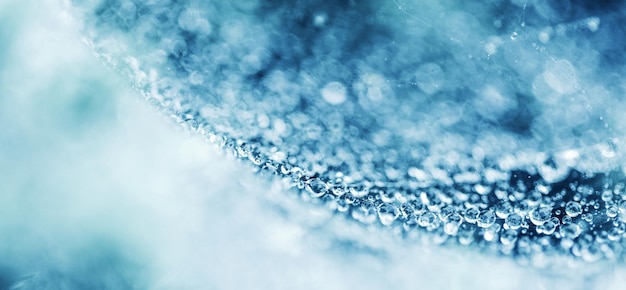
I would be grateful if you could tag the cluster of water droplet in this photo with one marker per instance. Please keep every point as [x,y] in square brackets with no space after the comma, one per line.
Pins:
[431,120]
[520,214]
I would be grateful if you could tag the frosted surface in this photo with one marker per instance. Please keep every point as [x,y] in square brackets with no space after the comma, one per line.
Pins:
[98,191]
[443,116]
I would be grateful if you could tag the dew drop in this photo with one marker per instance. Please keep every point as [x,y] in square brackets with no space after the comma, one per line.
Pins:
[570,231]
[607,195]
[573,209]
[612,211]
[338,191]
[566,220]
[593,23]
[359,190]
[503,210]
[608,149]
[508,237]
[418,207]
[334,93]
[540,215]
[566,243]
[471,215]
[428,220]
[513,221]
[614,234]
[406,210]
[342,205]
[365,213]
[548,227]
[387,195]
[544,35]
[445,212]
[452,224]
[592,253]
[192,124]
[465,235]
[491,233]
[320,19]
[316,187]
[486,219]
[561,76]
[533,198]
[482,189]
[410,224]
[387,213]
[429,78]
[622,208]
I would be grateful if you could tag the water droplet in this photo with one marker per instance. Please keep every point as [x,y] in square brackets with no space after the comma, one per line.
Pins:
[543,188]
[622,208]
[548,227]
[503,209]
[428,220]
[491,233]
[508,237]
[406,210]
[592,253]
[524,245]
[387,195]
[192,124]
[387,213]
[566,220]
[540,215]
[256,158]
[593,23]
[342,205]
[359,190]
[514,35]
[614,234]
[410,223]
[334,93]
[573,209]
[612,211]
[320,19]
[418,207]
[486,218]
[316,187]
[523,207]
[365,213]
[544,35]
[607,195]
[561,76]
[452,224]
[445,212]
[513,221]
[482,189]
[570,231]
[471,215]
[429,78]
[608,149]
[465,235]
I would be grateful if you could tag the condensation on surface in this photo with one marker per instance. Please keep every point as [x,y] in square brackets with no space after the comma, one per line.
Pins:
[486,130]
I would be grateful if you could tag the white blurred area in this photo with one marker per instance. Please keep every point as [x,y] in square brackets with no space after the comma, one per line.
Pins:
[99,191]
